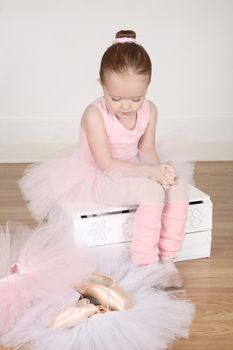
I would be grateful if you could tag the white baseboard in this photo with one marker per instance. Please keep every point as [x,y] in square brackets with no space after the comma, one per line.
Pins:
[21,130]
[33,139]
[211,151]
[36,152]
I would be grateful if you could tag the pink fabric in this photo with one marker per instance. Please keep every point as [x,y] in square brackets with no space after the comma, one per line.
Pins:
[39,264]
[158,230]
[146,232]
[174,217]
[178,192]
[122,141]
[124,40]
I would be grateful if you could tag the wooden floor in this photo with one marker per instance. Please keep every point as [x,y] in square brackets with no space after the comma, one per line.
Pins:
[208,282]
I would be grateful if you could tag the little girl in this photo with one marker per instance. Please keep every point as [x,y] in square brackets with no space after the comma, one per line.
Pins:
[117,163]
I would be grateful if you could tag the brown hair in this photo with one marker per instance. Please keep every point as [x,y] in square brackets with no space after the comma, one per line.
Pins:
[121,57]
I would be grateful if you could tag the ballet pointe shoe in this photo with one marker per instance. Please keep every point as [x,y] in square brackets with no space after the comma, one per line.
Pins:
[107,292]
[71,316]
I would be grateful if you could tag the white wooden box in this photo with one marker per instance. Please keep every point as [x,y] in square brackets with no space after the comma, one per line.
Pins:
[112,226]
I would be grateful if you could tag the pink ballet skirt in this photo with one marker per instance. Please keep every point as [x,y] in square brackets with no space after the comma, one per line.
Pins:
[73,181]
[156,319]
[36,265]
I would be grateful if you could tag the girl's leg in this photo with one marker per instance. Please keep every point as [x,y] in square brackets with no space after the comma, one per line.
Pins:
[145,234]
[174,217]
[147,225]
[151,239]
[149,195]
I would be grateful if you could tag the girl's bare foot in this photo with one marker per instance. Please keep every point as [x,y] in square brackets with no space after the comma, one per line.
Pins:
[174,279]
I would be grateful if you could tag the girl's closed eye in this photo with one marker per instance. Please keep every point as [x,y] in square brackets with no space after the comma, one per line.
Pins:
[115,99]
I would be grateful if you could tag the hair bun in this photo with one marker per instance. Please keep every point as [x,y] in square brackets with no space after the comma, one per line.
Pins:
[125,34]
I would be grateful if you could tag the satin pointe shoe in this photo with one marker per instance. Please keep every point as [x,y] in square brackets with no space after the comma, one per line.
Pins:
[71,316]
[107,292]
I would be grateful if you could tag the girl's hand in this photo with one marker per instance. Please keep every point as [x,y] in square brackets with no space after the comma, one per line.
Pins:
[170,176]
[165,174]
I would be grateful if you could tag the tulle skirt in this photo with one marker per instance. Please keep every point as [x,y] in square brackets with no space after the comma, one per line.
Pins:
[36,265]
[156,319]
[68,181]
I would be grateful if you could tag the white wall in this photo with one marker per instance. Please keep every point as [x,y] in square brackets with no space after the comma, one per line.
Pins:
[49,60]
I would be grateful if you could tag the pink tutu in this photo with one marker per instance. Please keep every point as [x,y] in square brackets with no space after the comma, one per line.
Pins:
[156,319]
[68,182]
[36,265]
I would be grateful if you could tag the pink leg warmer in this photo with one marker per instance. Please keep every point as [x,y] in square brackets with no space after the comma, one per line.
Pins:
[174,217]
[146,232]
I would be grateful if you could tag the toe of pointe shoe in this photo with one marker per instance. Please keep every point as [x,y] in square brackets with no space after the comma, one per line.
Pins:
[71,316]
[107,292]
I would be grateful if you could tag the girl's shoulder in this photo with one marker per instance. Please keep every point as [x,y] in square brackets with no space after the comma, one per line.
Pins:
[99,104]
[150,106]
[153,110]
[97,110]
[148,112]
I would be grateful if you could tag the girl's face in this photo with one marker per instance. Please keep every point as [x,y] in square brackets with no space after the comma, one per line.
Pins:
[124,93]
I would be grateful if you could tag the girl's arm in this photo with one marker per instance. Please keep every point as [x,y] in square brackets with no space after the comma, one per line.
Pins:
[148,154]
[147,142]
[93,124]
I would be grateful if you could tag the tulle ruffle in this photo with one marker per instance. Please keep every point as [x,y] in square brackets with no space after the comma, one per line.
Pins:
[35,265]
[156,319]
[68,181]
